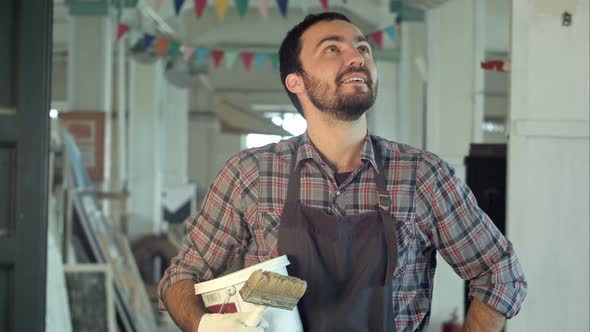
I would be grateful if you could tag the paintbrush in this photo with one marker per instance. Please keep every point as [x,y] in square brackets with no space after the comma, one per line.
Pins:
[269,289]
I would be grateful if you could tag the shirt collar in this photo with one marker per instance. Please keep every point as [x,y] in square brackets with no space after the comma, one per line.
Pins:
[307,150]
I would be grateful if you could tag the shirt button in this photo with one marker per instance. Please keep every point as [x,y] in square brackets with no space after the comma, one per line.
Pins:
[338,193]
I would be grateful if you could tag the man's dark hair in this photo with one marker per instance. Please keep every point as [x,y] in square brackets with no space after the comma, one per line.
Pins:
[291,47]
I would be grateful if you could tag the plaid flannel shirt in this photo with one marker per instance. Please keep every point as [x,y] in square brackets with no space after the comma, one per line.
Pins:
[433,211]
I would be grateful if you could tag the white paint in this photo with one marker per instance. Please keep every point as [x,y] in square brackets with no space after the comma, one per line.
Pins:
[145,158]
[121,115]
[548,166]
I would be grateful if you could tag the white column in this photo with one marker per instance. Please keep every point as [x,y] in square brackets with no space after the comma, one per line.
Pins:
[449,120]
[412,83]
[383,118]
[145,158]
[175,141]
[90,61]
[548,163]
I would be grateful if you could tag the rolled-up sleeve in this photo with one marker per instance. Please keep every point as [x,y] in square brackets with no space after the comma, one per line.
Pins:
[214,236]
[467,239]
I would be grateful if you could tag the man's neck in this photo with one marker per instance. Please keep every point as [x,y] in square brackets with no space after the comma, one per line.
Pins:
[339,142]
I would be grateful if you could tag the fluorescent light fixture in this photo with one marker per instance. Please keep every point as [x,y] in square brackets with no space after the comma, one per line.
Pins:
[53,113]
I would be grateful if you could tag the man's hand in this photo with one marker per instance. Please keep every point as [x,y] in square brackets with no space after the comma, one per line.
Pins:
[228,322]
[483,318]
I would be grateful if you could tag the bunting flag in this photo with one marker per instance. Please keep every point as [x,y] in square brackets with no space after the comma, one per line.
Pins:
[377,37]
[187,52]
[274,58]
[178,6]
[247,59]
[263,8]
[202,55]
[221,8]
[147,41]
[304,6]
[260,61]
[217,56]
[229,59]
[122,30]
[324,4]
[283,7]
[161,46]
[157,4]
[390,30]
[242,6]
[200,7]
[174,48]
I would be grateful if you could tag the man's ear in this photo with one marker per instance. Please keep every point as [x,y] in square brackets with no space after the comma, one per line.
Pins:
[294,83]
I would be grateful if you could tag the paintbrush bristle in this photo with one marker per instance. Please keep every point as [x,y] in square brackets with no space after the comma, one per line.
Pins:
[273,290]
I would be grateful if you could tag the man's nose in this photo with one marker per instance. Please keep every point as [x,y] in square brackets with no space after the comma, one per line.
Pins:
[353,57]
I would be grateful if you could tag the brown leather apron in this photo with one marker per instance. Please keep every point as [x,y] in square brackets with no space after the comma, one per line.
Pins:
[347,261]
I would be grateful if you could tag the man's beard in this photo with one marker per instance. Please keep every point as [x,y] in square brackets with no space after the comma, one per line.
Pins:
[343,106]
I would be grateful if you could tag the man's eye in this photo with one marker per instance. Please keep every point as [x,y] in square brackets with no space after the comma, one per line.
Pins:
[331,49]
[364,49]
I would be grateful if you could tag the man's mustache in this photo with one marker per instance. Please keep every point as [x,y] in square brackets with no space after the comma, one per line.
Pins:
[361,70]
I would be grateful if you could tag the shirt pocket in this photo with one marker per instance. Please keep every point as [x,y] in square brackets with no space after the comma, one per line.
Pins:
[405,235]
[269,228]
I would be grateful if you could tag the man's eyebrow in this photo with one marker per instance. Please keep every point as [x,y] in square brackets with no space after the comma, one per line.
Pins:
[329,38]
[337,38]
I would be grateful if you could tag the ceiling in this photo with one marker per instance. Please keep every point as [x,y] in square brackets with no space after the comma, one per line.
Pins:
[256,90]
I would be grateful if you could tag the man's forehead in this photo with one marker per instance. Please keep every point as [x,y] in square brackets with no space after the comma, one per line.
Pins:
[324,29]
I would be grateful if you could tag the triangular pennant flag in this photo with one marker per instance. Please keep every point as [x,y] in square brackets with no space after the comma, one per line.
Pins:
[134,35]
[304,6]
[122,30]
[147,41]
[230,58]
[217,56]
[247,59]
[274,58]
[260,61]
[174,48]
[242,6]
[390,30]
[157,4]
[324,4]
[221,8]
[187,52]
[200,7]
[377,37]
[263,8]
[178,6]
[161,46]
[283,7]
[202,54]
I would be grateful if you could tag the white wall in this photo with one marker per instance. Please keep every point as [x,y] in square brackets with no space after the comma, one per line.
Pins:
[383,118]
[548,188]
[209,149]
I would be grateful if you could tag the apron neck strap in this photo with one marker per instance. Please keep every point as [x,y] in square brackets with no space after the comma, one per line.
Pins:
[383,198]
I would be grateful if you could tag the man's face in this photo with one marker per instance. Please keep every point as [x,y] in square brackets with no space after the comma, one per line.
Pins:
[338,69]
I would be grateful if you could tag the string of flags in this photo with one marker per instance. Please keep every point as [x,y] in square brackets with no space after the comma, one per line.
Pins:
[166,47]
[221,6]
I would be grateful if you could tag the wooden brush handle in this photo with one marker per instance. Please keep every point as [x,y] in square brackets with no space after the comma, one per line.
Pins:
[254,316]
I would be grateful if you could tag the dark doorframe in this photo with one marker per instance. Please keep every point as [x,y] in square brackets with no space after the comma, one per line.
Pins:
[25,71]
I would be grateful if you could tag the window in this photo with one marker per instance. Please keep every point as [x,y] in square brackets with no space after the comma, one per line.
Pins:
[291,122]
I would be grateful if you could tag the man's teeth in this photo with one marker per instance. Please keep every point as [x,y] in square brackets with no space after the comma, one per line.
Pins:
[354,79]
